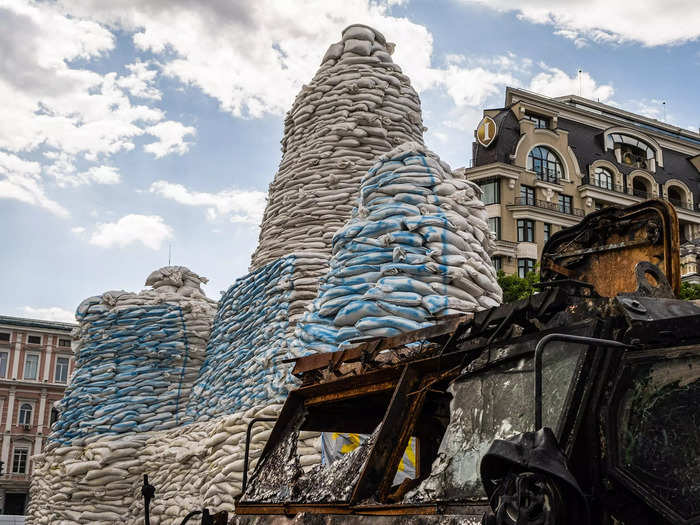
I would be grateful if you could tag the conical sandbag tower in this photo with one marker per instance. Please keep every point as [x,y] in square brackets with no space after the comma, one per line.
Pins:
[358,106]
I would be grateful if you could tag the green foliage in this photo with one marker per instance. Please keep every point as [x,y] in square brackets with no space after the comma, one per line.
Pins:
[689,291]
[515,287]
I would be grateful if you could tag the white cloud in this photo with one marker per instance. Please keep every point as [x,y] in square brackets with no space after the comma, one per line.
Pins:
[141,82]
[60,105]
[102,175]
[171,138]
[554,82]
[150,230]
[63,171]
[78,230]
[242,205]
[52,313]
[253,57]
[651,23]
[20,180]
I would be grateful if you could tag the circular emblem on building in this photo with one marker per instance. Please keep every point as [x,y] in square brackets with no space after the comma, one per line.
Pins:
[486,131]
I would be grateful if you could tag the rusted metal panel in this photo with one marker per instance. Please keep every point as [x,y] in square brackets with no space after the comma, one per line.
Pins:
[604,248]
[366,350]
[290,509]
[387,451]
[350,393]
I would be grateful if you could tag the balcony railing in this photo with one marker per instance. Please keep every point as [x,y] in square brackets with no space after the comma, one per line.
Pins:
[552,206]
[679,203]
[603,184]
[547,175]
[642,194]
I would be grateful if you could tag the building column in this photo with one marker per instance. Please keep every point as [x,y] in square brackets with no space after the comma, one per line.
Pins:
[10,409]
[15,360]
[2,501]
[47,363]
[38,441]
[41,417]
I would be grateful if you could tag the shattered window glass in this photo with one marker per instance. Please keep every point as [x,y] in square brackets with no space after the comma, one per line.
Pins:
[659,417]
[281,478]
[335,445]
[494,404]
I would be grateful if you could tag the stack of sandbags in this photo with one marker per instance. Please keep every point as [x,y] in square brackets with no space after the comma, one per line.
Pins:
[195,466]
[137,358]
[91,483]
[250,337]
[416,248]
[358,106]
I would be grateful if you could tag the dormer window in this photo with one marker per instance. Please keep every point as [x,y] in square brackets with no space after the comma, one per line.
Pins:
[631,151]
[540,121]
[545,163]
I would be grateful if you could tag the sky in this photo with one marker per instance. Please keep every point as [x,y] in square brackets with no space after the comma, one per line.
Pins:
[132,132]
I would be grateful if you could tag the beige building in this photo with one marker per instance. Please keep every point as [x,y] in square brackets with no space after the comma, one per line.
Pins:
[544,163]
[36,362]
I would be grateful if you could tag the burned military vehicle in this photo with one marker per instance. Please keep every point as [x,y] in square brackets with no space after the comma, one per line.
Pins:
[580,404]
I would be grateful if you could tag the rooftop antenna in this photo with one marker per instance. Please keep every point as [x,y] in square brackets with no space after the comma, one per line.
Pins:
[664,106]
[580,82]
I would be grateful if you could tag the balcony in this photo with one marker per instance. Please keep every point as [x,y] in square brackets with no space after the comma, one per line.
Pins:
[639,194]
[602,184]
[548,175]
[551,206]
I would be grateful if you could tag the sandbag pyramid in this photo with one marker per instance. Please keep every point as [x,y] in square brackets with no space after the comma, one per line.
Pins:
[416,248]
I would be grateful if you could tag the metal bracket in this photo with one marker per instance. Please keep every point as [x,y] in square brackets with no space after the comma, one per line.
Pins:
[147,491]
[247,448]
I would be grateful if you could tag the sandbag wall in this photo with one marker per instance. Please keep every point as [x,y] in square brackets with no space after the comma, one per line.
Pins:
[138,356]
[416,248]
[250,337]
[198,465]
[358,106]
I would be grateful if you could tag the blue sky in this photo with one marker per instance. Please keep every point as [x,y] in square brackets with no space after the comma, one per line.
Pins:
[130,127]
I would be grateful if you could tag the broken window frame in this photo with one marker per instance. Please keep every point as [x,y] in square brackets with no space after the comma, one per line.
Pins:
[414,379]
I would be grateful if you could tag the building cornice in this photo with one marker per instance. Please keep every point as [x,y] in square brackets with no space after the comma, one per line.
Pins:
[493,169]
[680,143]
[13,323]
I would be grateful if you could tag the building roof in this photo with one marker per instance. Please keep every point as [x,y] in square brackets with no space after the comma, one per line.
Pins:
[36,323]
[585,121]
[610,113]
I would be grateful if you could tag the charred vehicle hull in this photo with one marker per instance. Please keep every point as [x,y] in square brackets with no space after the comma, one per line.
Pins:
[578,405]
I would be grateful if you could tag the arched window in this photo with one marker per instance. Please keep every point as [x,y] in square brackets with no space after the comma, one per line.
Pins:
[676,196]
[545,163]
[603,178]
[631,151]
[640,188]
[25,414]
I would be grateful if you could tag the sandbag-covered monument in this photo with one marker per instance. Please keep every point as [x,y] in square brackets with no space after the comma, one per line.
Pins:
[365,232]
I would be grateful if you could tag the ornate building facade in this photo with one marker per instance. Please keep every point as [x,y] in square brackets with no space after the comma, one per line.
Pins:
[36,362]
[544,163]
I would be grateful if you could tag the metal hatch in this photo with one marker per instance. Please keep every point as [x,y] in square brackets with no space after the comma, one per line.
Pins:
[604,248]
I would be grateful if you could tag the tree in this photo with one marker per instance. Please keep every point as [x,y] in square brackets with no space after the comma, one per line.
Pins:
[689,291]
[515,287]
